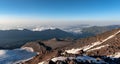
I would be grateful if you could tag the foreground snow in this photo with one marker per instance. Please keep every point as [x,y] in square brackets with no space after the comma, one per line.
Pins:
[15,56]
[78,59]
[88,58]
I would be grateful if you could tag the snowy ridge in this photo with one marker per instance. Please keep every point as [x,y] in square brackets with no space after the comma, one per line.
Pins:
[98,47]
[86,48]
[92,45]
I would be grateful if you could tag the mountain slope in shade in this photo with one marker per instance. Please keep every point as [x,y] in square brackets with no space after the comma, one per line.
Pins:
[16,38]
[102,48]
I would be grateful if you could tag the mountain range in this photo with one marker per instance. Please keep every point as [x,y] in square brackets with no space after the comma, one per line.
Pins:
[102,48]
[14,38]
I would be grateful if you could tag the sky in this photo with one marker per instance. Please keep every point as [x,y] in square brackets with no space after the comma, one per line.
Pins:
[59,12]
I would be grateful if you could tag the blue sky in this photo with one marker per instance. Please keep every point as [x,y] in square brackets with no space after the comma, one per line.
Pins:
[55,10]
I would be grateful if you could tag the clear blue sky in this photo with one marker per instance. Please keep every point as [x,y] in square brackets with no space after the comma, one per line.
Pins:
[61,9]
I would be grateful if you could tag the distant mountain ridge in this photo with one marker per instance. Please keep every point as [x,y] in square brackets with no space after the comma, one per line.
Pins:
[16,38]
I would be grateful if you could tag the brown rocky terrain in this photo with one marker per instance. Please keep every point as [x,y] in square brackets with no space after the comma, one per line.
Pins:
[101,47]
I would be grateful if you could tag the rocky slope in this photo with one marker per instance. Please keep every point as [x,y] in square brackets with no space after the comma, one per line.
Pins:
[102,48]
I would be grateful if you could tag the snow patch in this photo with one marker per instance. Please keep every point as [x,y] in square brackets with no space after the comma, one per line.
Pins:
[43,62]
[98,47]
[116,55]
[28,49]
[59,58]
[92,45]
[73,51]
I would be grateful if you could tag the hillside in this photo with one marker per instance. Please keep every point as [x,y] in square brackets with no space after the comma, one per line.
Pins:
[102,48]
